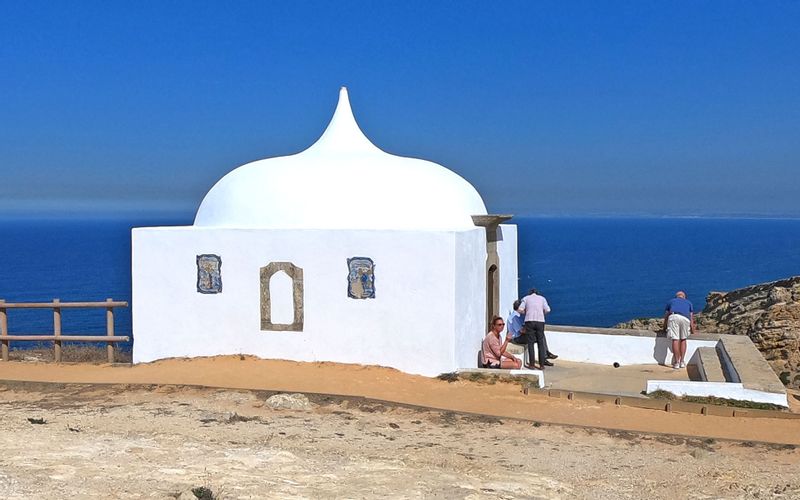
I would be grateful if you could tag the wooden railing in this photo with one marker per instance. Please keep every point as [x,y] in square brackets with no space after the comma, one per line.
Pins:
[57,338]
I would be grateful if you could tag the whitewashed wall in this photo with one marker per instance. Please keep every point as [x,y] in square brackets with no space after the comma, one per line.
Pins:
[623,349]
[509,272]
[429,296]
[469,311]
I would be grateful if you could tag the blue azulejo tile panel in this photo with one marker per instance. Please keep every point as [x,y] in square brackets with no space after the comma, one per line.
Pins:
[361,278]
[209,273]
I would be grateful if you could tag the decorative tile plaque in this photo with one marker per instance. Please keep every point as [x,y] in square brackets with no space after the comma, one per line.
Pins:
[209,277]
[361,278]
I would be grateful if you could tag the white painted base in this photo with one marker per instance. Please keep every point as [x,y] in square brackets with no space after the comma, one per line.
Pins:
[525,371]
[528,371]
[730,390]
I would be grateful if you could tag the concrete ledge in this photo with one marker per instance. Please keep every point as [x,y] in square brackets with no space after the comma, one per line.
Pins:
[534,376]
[625,331]
[752,369]
[728,390]
[731,375]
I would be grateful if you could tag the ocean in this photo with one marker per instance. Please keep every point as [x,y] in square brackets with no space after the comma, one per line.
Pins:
[593,271]
[603,271]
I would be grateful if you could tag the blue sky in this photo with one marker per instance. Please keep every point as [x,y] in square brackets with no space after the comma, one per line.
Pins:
[554,108]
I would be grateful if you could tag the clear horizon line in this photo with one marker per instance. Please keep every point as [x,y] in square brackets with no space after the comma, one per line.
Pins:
[160,213]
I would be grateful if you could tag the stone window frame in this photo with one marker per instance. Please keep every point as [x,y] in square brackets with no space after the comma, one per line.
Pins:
[296,274]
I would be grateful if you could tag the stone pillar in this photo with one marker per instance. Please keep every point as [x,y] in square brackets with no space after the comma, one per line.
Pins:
[491,223]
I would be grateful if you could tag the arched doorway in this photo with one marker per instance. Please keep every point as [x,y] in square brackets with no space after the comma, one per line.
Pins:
[492,294]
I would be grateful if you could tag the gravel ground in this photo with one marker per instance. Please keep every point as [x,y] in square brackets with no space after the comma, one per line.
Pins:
[163,441]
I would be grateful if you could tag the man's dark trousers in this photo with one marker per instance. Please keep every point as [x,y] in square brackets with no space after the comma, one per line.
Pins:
[534,336]
[521,339]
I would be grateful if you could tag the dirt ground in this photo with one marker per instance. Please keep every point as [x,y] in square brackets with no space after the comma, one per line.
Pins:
[503,400]
[124,441]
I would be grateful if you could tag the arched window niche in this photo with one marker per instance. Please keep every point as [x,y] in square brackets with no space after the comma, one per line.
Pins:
[492,294]
[296,275]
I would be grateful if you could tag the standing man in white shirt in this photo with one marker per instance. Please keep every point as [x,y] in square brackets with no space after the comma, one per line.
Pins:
[534,307]
[517,332]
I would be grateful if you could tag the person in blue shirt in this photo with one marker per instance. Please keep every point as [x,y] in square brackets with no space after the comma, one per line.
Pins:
[514,323]
[679,324]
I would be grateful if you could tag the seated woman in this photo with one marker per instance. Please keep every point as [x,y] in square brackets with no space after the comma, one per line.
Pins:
[494,351]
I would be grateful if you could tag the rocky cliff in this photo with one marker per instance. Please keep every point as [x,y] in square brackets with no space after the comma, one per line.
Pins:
[768,313]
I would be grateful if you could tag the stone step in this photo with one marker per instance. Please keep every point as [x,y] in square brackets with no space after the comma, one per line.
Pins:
[709,365]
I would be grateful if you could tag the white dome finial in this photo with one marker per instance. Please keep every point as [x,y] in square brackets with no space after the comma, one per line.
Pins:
[344,97]
[343,133]
[346,183]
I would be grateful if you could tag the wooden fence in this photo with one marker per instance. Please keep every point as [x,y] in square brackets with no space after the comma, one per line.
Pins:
[57,338]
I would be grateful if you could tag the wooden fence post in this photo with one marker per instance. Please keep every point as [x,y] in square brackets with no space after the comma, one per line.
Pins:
[57,330]
[110,330]
[4,329]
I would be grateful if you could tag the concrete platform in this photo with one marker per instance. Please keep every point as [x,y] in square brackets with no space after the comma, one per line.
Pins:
[731,367]
[605,379]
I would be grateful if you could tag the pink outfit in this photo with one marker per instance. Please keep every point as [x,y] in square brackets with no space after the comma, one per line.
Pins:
[491,348]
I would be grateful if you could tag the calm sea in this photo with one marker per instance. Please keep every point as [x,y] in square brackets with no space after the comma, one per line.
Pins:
[594,271]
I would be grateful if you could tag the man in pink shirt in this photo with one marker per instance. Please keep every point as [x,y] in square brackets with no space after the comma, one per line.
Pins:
[534,307]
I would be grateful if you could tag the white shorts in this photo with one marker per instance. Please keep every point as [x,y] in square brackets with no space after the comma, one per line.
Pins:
[678,327]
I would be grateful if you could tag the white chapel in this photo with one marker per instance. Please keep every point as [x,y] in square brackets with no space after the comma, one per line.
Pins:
[340,253]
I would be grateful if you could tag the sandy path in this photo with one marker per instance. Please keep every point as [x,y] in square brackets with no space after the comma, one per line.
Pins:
[502,400]
[157,442]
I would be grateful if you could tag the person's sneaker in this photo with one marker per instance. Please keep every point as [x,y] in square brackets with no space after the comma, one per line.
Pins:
[683,365]
[675,366]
